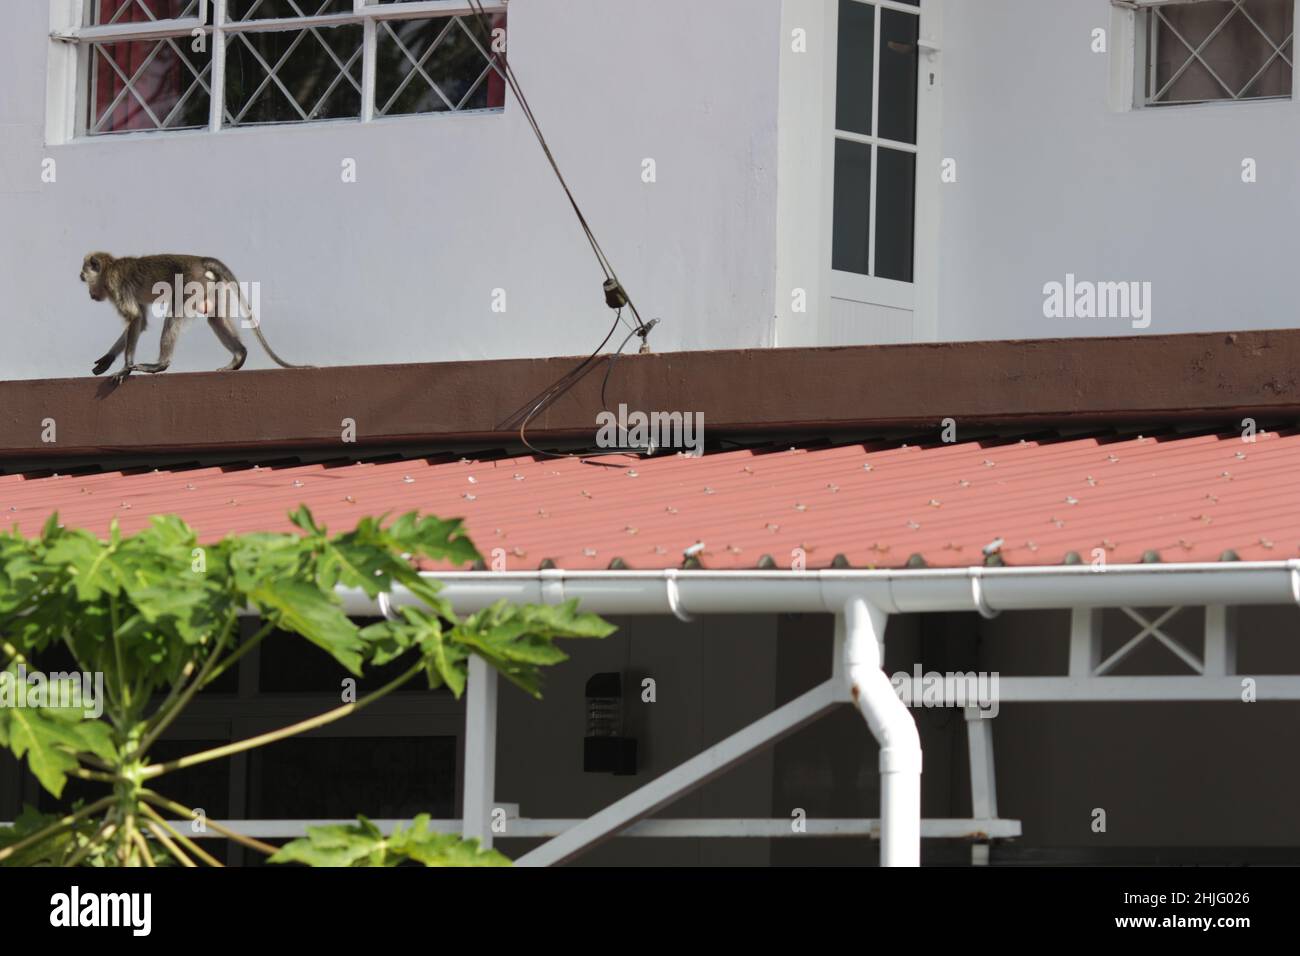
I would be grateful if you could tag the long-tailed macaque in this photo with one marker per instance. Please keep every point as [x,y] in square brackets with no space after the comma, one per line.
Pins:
[175,287]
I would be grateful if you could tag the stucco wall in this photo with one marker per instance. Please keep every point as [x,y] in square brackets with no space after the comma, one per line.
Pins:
[401,266]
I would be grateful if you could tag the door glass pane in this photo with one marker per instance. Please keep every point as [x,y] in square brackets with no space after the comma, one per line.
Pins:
[850,247]
[895,202]
[898,64]
[857,46]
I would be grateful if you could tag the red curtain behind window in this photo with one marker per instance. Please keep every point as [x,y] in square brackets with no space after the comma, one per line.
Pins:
[160,85]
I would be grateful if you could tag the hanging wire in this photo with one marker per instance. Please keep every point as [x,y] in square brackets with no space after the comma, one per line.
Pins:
[616,296]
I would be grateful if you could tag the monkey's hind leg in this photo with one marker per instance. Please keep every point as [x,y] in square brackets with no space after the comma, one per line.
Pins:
[170,333]
[225,332]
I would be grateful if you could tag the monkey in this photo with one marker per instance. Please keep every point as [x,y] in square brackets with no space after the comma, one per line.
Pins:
[132,285]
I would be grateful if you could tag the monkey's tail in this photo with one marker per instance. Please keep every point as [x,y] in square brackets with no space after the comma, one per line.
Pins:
[270,351]
[223,272]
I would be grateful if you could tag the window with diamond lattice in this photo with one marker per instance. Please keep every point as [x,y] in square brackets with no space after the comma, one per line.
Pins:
[152,62]
[1209,50]
[147,84]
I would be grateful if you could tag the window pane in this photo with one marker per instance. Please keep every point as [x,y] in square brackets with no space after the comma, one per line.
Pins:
[148,84]
[895,213]
[339,777]
[289,76]
[898,64]
[275,9]
[1243,51]
[105,12]
[428,66]
[857,47]
[850,247]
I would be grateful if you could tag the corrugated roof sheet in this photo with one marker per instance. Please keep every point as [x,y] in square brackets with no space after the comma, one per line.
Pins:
[1185,497]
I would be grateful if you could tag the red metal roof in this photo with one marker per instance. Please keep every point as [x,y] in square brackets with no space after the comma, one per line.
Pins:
[1187,497]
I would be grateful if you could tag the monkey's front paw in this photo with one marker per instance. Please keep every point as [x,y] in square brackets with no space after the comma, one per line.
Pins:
[102,365]
[120,376]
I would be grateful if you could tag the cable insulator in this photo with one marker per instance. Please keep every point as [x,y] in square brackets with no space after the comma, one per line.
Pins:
[615,297]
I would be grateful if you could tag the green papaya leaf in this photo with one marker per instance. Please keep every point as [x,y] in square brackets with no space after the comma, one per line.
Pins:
[362,844]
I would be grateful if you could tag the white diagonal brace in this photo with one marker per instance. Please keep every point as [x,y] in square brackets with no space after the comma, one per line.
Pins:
[686,777]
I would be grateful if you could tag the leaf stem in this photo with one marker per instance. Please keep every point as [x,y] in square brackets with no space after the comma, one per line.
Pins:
[159,800]
[189,844]
[53,828]
[320,720]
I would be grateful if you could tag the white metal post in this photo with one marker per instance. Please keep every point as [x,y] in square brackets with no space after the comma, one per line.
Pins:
[480,750]
[1220,640]
[983,785]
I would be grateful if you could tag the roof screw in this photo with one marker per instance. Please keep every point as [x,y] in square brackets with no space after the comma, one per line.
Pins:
[1108,544]
[694,549]
[833,487]
[1264,542]
[990,464]
[963,483]
[585,493]
[1071,500]
[589,552]
[774,528]
[1092,482]
[1240,455]
[1112,459]
[1226,474]
[541,513]
[296,484]
[188,487]
[630,530]
[472,480]
[632,473]
[799,507]
[671,510]
[350,500]
[1184,544]
[519,552]
[867,467]
[913,525]
[468,497]
[936,503]
[407,479]
[709,491]
[518,477]
[747,470]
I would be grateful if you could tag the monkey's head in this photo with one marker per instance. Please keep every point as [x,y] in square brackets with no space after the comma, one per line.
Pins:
[93,270]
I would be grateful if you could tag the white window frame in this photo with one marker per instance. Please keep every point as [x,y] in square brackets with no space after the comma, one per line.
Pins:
[68,72]
[874,290]
[1131,60]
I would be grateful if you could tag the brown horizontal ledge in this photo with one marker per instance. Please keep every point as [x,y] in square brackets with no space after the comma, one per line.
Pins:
[1203,377]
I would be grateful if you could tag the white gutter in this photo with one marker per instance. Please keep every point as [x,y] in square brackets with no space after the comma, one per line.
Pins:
[862,602]
[987,590]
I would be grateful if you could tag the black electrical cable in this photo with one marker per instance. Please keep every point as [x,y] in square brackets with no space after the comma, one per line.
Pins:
[615,294]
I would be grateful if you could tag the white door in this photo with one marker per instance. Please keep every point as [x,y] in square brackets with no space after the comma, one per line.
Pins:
[881,171]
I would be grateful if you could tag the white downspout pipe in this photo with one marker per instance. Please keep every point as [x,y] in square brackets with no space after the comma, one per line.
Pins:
[893,728]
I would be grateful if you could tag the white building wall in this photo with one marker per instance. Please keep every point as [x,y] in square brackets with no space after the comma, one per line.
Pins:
[402,265]
[1053,179]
